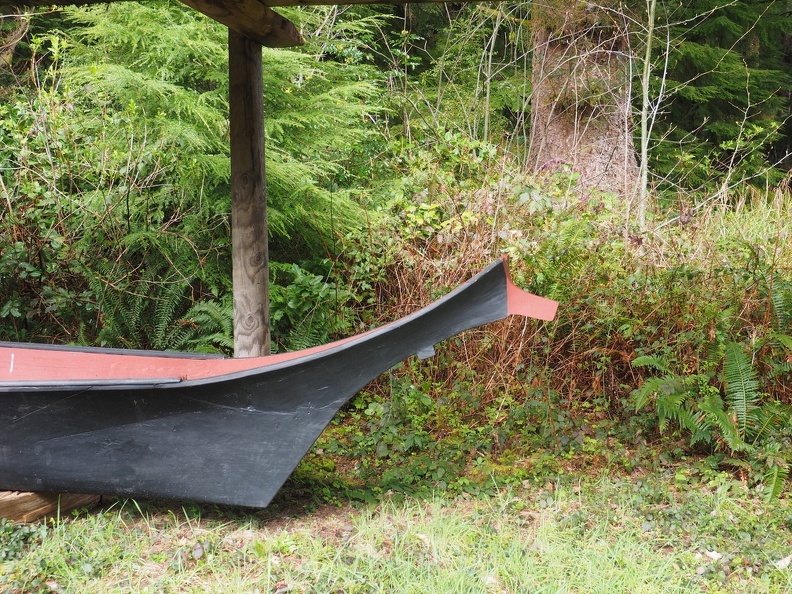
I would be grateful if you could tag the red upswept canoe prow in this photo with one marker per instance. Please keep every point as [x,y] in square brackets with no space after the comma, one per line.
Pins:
[203,428]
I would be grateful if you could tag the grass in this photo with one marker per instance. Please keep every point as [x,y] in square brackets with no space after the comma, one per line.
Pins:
[667,532]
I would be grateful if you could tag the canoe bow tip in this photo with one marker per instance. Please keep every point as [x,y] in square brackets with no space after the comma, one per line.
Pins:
[523,303]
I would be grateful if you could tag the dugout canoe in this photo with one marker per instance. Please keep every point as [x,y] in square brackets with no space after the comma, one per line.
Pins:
[201,428]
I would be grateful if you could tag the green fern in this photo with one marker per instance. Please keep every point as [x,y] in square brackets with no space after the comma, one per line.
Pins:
[672,396]
[742,390]
[166,333]
[722,424]
[211,325]
[775,480]
[657,363]
[304,336]
[143,296]
[143,315]
[785,340]
[737,420]
[120,307]
[781,298]
[674,407]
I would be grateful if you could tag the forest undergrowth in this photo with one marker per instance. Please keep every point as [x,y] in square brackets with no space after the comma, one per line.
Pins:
[673,342]
[678,347]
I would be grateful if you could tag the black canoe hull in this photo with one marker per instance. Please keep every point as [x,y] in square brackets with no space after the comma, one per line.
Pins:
[234,439]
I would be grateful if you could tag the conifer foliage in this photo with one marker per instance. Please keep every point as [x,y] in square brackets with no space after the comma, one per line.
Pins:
[115,171]
[725,73]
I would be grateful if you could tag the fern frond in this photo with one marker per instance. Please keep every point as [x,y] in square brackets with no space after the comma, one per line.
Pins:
[742,389]
[211,327]
[775,480]
[304,336]
[650,361]
[671,395]
[770,418]
[727,425]
[781,298]
[166,334]
[655,386]
[176,339]
[784,340]
[716,348]
[674,408]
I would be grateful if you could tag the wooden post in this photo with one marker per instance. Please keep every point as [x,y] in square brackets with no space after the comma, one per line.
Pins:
[248,198]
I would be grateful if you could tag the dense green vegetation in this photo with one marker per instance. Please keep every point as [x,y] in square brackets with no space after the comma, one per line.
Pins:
[396,168]
[726,113]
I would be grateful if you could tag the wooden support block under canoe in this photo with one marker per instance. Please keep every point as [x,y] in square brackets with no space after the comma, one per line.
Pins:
[27,507]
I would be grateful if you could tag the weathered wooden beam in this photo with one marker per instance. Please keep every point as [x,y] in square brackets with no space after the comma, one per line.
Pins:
[275,3]
[27,507]
[248,198]
[250,18]
[21,5]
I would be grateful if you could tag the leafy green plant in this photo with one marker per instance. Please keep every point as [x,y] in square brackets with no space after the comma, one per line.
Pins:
[211,326]
[305,308]
[115,178]
[142,299]
[16,538]
[736,420]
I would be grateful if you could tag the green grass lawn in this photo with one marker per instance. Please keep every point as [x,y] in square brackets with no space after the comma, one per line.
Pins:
[656,533]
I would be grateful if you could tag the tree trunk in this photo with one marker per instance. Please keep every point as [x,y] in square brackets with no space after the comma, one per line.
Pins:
[580,106]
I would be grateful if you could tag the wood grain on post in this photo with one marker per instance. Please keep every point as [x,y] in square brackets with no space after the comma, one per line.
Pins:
[350,2]
[27,507]
[248,198]
[252,19]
